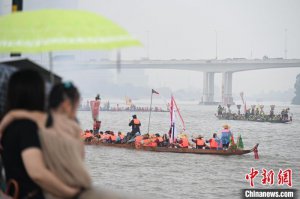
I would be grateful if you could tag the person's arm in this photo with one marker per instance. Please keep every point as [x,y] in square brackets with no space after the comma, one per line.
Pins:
[36,169]
[35,116]
[131,123]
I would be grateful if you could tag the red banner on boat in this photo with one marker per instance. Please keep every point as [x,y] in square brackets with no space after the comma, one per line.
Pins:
[173,110]
[95,108]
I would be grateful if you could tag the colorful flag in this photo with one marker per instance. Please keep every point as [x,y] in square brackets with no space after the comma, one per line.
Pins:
[155,92]
[175,110]
[240,143]
[173,126]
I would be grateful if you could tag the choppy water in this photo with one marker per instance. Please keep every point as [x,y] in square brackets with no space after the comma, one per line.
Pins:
[167,175]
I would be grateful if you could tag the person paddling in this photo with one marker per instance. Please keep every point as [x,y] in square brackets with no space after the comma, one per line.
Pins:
[214,141]
[200,142]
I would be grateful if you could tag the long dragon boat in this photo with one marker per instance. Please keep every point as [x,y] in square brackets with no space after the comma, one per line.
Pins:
[176,150]
[253,118]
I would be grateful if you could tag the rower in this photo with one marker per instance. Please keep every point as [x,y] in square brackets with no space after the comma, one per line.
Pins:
[106,136]
[88,136]
[137,140]
[148,141]
[200,142]
[214,141]
[159,140]
[183,142]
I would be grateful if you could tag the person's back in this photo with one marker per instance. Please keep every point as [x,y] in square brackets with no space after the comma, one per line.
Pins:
[226,135]
[213,143]
[17,137]
[135,124]
[184,142]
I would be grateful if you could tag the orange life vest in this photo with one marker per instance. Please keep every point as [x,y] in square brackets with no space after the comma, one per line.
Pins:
[138,138]
[148,142]
[113,138]
[106,136]
[200,142]
[136,121]
[213,143]
[87,135]
[185,143]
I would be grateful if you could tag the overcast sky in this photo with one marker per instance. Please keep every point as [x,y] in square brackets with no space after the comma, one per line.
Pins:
[186,29]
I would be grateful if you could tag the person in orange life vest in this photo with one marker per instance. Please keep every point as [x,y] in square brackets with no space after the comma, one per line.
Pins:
[148,141]
[98,135]
[135,124]
[137,140]
[200,142]
[105,137]
[159,140]
[214,142]
[183,142]
[89,136]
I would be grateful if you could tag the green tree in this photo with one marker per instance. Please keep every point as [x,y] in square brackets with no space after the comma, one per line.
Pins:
[296,99]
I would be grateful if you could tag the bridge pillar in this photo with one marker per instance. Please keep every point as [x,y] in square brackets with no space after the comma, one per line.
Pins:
[227,88]
[208,87]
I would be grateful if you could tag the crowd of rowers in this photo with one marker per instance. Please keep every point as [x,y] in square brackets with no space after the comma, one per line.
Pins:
[156,140]
[256,111]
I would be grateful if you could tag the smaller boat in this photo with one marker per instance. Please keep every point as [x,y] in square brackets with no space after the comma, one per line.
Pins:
[176,150]
[252,119]
[254,115]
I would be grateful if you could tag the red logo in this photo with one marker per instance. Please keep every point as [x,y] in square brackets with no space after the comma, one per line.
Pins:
[284,177]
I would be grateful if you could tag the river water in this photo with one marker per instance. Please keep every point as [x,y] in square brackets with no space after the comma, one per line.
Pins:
[170,175]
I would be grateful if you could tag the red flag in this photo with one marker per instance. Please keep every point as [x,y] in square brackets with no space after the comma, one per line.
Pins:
[155,92]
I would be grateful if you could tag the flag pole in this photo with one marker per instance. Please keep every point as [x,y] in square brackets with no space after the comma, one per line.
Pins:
[150,112]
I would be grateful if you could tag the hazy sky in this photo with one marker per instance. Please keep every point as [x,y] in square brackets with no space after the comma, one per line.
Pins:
[185,29]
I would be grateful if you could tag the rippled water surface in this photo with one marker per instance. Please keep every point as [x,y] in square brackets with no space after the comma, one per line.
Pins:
[168,175]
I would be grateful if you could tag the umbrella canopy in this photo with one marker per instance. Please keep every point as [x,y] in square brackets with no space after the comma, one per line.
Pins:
[52,30]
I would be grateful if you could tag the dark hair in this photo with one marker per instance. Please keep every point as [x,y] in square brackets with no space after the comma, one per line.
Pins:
[26,90]
[61,92]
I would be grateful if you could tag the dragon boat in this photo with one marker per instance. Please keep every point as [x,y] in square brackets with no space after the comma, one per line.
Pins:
[251,118]
[175,150]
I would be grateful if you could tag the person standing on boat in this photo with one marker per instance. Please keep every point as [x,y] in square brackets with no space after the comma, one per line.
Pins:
[220,110]
[226,136]
[135,124]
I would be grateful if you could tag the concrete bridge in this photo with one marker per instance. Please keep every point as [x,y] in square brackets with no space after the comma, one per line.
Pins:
[209,67]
